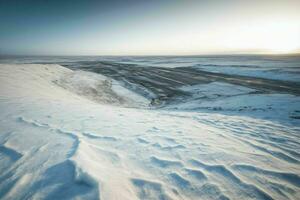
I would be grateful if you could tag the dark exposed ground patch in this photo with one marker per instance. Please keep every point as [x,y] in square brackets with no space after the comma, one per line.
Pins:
[165,82]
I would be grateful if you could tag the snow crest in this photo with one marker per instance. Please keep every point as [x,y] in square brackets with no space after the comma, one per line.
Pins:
[99,88]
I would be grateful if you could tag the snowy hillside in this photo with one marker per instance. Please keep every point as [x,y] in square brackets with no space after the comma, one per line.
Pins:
[77,135]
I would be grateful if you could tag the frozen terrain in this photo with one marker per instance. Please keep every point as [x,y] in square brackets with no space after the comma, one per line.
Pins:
[68,134]
[276,67]
[280,67]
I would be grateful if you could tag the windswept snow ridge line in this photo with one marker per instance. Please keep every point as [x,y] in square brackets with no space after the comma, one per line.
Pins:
[58,144]
[100,89]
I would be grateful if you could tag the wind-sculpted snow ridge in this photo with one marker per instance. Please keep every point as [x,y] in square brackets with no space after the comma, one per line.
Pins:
[100,89]
[56,143]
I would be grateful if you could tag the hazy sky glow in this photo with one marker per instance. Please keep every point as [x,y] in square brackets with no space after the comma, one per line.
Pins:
[157,27]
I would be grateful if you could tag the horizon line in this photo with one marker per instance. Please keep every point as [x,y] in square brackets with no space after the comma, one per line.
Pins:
[151,55]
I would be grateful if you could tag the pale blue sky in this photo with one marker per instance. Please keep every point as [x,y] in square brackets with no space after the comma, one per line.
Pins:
[158,27]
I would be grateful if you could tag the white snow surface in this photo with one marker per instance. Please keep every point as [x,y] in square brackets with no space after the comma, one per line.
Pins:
[216,89]
[71,135]
[238,100]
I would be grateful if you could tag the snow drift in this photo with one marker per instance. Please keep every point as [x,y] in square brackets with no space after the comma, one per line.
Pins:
[61,137]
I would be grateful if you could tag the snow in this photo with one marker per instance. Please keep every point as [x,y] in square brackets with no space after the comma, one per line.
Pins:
[100,89]
[280,67]
[216,89]
[238,100]
[58,141]
[276,73]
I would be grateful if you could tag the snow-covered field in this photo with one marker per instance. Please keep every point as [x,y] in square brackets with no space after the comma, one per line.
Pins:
[77,135]
[280,67]
[241,101]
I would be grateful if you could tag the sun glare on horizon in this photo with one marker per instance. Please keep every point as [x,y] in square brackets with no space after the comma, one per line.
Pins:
[272,36]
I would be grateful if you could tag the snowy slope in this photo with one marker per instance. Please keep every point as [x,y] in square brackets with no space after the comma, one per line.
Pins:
[59,142]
